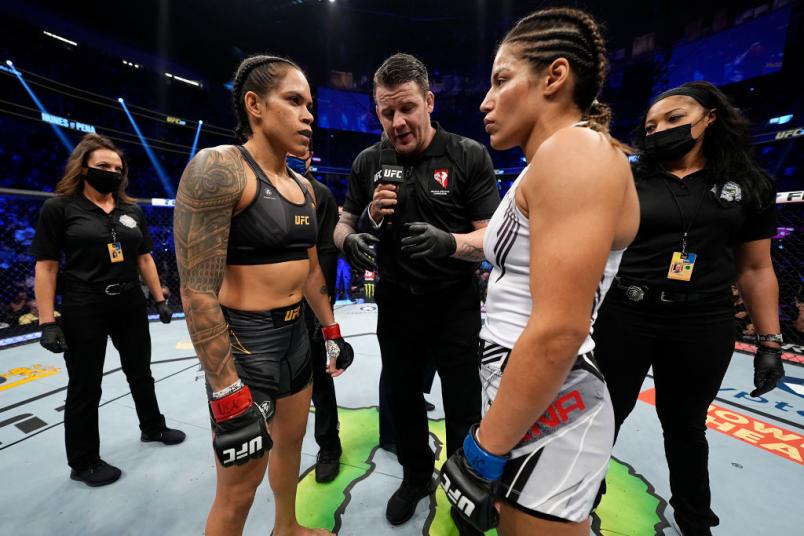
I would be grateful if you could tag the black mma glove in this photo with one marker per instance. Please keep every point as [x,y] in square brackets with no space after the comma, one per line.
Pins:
[425,240]
[337,347]
[239,425]
[768,369]
[53,337]
[165,314]
[358,251]
[467,478]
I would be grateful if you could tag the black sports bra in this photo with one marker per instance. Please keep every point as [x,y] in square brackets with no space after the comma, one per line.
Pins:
[271,229]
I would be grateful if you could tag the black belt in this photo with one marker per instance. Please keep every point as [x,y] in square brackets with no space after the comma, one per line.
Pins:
[110,289]
[642,293]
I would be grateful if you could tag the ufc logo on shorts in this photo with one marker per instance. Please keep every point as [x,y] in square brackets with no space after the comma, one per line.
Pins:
[245,450]
[292,314]
[461,502]
[302,220]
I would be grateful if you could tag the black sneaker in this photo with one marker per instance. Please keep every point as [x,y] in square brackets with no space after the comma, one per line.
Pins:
[168,436]
[402,504]
[327,465]
[98,474]
[464,527]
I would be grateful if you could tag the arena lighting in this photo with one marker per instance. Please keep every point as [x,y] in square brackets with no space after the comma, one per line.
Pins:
[186,81]
[130,64]
[195,141]
[60,38]
[160,171]
[56,128]
[781,120]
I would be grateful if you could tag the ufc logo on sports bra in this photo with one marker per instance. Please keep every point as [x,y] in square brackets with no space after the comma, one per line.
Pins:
[245,450]
[302,220]
[461,502]
[292,314]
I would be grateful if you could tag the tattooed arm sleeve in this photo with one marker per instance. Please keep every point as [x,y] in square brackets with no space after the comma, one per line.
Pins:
[208,192]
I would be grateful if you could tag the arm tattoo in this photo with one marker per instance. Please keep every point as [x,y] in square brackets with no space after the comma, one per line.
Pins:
[470,245]
[208,192]
[469,252]
[346,226]
[324,290]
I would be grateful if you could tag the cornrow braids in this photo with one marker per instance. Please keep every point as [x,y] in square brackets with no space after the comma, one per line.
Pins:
[549,34]
[260,73]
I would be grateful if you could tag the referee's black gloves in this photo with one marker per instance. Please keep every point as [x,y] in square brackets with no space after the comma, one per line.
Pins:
[359,251]
[428,241]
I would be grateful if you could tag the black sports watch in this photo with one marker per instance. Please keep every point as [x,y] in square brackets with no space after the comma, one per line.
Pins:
[770,337]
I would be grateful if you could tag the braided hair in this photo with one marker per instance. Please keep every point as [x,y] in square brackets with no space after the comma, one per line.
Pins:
[261,74]
[549,34]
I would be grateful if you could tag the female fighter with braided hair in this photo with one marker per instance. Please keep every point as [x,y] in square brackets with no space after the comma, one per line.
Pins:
[543,446]
[245,234]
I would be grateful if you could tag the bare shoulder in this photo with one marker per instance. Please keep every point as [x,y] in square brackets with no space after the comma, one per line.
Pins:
[580,160]
[215,176]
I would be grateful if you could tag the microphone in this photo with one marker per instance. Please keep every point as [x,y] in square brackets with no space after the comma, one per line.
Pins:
[390,173]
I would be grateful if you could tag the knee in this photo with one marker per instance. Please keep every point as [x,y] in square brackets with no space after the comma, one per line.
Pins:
[83,393]
[236,500]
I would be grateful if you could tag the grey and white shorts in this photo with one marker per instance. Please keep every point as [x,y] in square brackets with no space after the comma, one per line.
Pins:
[556,469]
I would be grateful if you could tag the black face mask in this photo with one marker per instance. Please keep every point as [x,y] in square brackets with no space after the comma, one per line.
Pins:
[671,144]
[102,180]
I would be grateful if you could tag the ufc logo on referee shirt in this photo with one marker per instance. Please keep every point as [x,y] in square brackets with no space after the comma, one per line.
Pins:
[461,502]
[246,449]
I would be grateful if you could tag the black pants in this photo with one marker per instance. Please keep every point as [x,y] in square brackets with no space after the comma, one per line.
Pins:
[387,432]
[88,320]
[689,347]
[414,331]
[324,400]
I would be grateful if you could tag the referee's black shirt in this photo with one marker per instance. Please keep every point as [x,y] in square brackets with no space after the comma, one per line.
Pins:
[722,224]
[81,229]
[449,185]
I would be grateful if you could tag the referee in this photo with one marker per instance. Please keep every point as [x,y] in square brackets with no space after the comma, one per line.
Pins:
[427,231]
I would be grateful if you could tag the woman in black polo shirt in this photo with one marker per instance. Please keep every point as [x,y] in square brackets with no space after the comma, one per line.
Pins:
[707,217]
[105,241]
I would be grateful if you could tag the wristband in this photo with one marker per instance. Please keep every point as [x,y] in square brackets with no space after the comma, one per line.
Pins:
[489,466]
[332,332]
[226,391]
[232,405]
[770,337]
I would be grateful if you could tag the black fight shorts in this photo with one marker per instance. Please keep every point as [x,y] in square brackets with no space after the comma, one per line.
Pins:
[271,351]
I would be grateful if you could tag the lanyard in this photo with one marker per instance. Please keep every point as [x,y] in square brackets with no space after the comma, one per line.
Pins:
[685,227]
[112,227]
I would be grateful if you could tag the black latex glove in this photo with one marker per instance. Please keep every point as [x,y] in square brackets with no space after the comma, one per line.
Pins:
[425,240]
[358,251]
[165,314]
[53,337]
[768,369]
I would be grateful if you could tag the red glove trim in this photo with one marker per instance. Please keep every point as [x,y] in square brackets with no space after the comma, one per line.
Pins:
[332,332]
[231,405]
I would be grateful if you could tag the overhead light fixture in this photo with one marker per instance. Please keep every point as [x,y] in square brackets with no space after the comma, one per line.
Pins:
[131,64]
[60,38]
[185,80]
